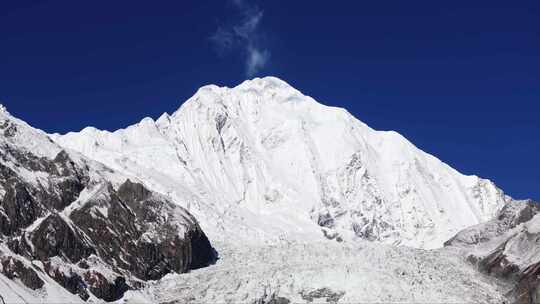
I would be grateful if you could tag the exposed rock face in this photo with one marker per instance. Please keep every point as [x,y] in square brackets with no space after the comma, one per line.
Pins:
[508,247]
[55,237]
[103,288]
[322,293]
[14,268]
[93,231]
[70,280]
[272,299]
[511,215]
[61,184]
[142,233]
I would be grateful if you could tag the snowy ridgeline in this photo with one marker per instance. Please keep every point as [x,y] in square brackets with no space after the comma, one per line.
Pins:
[262,162]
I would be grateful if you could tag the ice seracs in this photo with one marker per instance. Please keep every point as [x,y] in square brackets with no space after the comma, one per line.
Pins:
[263,163]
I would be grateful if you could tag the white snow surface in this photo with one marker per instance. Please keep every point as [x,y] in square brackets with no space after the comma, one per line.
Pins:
[262,163]
[26,138]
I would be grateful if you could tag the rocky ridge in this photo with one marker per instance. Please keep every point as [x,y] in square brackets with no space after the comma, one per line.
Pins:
[507,247]
[77,222]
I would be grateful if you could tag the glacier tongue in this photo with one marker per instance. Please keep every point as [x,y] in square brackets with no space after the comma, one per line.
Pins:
[261,163]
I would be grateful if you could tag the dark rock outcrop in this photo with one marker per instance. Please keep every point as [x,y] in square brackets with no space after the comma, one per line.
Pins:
[9,128]
[70,280]
[55,237]
[272,299]
[528,287]
[111,239]
[13,268]
[19,208]
[134,231]
[142,233]
[25,201]
[322,293]
[103,288]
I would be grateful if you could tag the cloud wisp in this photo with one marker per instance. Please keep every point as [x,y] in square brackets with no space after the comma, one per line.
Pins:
[244,37]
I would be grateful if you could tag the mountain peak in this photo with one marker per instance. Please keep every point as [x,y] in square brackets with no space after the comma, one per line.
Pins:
[258,84]
[252,91]
[3,110]
[262,150]
[264,82]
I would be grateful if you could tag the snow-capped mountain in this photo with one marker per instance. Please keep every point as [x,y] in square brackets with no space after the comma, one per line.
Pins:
[263,162]
[303,203]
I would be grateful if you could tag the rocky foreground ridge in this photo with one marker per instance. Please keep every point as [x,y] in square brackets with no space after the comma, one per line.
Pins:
[69,220]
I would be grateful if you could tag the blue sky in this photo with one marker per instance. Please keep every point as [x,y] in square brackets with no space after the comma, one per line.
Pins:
[460,79]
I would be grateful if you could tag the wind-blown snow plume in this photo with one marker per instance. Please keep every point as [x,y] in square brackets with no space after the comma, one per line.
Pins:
[245,37]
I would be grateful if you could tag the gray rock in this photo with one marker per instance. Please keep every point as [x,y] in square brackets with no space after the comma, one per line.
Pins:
[322,293]
[505,231]
[135,233]
[71,281]
[55,237]
[103,289]
[131,212]
[13,268]
[272,299]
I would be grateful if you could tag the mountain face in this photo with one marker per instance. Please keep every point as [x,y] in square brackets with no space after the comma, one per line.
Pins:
[261,162]
[508,247]
[72,229]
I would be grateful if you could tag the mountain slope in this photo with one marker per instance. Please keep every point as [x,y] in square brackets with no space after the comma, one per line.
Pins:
[72,229]
[262,162]
[508,247]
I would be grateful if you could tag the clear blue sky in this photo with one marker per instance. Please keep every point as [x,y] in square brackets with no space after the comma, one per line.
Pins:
[460,79]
